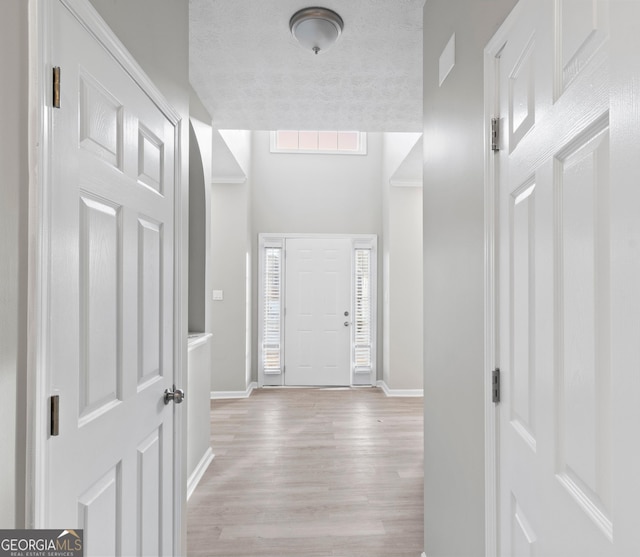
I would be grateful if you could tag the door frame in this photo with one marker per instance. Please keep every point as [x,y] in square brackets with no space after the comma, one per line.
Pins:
[491,285]
[367,241]
[40,132]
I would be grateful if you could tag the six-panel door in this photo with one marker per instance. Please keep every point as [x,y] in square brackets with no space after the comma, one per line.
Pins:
[556,426]
[111,312]
[318,312]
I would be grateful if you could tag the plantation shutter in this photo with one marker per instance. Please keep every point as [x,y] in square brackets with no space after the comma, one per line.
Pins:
[362,311]
[272,326]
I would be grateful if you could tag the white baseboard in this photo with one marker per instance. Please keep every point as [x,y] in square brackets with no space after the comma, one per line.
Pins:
[234,394]
[196,475]
[399,392]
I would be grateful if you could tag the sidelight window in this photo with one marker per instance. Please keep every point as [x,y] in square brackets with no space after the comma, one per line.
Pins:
[362,338]
[272,311]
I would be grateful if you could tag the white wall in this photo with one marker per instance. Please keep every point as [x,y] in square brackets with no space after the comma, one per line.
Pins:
[200,246]
[321,194]
[453,275]
[405,289]
[13,251]
[200,163]
[402,270]
[198,404]
[199,359]
[230,244]
[198,231]
[317,193]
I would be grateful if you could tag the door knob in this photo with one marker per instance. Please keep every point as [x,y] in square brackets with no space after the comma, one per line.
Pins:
[177,395]
[346,323]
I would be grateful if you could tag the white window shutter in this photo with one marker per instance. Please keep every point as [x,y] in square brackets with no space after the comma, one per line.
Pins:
[272,314]
[362,311]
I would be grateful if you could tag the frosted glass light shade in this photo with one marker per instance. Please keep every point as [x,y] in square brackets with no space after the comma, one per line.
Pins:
[316,29]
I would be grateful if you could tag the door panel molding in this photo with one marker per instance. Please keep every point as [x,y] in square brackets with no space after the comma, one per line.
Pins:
[41,47]
[318,289]
[550,267]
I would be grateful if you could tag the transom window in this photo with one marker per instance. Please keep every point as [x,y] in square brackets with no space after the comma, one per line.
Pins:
[324,142]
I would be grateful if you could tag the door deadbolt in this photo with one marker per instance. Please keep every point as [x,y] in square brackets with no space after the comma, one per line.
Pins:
[176,395]
[346,314]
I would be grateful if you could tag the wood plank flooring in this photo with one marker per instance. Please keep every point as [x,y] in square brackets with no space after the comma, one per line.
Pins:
[311,473]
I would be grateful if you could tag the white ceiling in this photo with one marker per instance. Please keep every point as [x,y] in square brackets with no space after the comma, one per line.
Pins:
[251,74]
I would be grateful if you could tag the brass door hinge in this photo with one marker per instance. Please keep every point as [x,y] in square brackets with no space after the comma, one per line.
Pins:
[56,87]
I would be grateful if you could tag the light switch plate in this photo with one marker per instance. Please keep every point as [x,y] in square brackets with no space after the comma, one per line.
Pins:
[218,295]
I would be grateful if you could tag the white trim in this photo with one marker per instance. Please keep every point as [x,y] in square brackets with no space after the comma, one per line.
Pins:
[40,129]
[399,392]
[229,180]
[180,348]
[491,219]
[198,472]
[196,340]
[275,236]
[405,183]
[447,60]
[271,379]
[424,554]
[358,377]
[491,412]
[219,395]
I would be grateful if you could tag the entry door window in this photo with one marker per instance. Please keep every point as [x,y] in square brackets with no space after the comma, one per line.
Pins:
[283,324]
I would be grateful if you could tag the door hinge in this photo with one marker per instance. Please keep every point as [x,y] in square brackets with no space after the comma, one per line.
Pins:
[495,386]
[495,134]
[56,87]
[54,409]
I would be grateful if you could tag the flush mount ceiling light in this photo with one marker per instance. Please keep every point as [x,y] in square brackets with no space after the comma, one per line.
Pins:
[316,29]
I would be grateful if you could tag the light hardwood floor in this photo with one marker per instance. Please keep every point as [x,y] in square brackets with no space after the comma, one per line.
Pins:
[311,473]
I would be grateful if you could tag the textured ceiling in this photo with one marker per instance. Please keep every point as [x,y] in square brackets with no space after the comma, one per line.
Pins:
[251,74]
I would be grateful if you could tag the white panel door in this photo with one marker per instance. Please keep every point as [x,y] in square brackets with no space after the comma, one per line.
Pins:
[110,470]
[317,312]
[561,438]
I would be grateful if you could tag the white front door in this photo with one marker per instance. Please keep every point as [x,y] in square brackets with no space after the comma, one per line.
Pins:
[318,312]
[111,312]
[564,444]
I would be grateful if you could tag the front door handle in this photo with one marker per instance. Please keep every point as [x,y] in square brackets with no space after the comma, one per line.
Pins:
[176,395]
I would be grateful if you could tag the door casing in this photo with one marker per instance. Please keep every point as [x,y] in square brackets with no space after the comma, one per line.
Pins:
[491,338]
